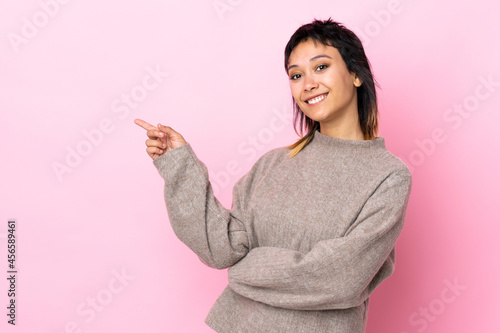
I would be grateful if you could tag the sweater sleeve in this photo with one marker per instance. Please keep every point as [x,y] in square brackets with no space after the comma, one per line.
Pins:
[217,235]
[336,273]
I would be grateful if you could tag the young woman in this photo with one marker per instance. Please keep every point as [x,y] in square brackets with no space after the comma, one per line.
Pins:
[313,226]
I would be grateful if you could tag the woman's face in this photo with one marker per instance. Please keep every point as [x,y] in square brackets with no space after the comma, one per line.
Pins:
[321,84]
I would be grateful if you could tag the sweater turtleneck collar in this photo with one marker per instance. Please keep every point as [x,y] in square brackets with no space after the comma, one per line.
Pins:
[323,140]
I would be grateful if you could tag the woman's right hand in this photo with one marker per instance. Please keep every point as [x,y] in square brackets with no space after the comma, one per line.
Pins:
[161,138]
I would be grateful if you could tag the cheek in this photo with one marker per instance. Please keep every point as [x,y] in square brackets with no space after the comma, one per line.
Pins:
[340,86]
[295,91]
[338,78]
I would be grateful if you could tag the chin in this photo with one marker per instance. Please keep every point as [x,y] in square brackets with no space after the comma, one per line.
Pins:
[315,115]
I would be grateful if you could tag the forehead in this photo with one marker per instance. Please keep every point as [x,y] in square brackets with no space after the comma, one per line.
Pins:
[309,48]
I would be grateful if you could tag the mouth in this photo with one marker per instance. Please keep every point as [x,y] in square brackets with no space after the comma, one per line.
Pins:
[317,99]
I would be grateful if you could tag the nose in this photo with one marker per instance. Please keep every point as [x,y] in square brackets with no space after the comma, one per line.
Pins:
[310,83]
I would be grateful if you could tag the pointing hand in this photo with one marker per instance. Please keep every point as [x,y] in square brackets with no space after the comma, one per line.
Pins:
[161,138]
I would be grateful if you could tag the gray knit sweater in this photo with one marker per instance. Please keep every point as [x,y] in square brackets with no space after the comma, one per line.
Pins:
[307,238]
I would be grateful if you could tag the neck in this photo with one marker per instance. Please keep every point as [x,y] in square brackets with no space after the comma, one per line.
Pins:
[346,135]
[347,128]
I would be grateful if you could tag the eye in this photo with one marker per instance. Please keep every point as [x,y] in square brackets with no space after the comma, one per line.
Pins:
[321,67]
[294,77]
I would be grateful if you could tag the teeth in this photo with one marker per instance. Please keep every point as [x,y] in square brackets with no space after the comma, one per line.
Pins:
[316,99]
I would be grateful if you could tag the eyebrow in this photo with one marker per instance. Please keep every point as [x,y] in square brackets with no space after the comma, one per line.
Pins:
[313,58]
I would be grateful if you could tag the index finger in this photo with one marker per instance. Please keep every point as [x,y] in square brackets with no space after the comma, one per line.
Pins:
[145,125]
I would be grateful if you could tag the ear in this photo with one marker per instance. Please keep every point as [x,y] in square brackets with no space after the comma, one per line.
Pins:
[356,80]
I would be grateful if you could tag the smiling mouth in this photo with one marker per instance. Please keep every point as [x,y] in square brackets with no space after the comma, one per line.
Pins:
[317,99]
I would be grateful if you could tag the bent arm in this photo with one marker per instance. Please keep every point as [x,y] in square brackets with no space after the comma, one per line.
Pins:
[337,273]
[217,235]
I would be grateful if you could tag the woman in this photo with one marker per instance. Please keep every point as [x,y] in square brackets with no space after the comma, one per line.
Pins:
[313,226]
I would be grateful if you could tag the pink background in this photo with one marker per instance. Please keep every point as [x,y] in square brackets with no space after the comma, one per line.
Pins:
[66,69]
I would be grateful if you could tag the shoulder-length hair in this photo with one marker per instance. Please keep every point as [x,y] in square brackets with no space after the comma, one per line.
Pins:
[331,33]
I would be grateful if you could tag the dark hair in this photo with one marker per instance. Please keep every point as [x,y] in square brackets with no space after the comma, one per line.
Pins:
[331,33]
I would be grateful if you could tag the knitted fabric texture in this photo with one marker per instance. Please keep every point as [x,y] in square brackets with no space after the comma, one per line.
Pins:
[307,239]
